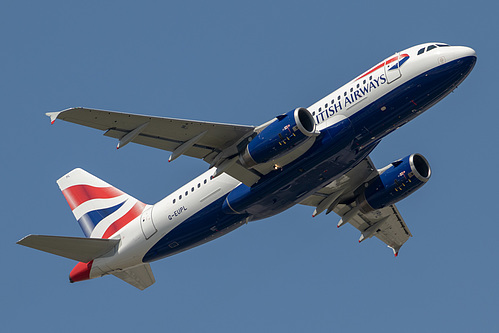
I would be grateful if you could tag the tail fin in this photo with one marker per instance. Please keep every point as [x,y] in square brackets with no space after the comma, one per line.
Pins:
[100,209]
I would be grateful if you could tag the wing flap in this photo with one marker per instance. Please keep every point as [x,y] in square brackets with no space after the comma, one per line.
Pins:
[140,276]
[75,248]
[163,143]
[393,231]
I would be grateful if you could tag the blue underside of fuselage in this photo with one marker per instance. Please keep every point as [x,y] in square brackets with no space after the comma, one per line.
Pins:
[279,190]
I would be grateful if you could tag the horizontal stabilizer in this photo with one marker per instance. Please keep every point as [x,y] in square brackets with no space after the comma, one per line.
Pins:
[76,248]
[140,276]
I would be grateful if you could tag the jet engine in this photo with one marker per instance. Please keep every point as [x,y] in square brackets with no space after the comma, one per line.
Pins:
[282,136]
[395,182]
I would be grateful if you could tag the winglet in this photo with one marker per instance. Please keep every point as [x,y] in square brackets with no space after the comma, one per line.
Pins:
[53,115]
[395,250]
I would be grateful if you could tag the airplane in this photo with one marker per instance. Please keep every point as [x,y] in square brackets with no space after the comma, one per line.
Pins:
[316,156]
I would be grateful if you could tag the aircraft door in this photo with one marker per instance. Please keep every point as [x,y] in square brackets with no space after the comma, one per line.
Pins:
[392,68]
[146,223]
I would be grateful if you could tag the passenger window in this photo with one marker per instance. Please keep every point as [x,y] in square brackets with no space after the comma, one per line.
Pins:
[431,47]
[421,51]
[199,185]
[186,192]
[192,189]
[180,197]
[205,181]
[174,200]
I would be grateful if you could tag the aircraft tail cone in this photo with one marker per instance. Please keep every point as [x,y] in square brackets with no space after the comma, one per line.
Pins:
[80,272]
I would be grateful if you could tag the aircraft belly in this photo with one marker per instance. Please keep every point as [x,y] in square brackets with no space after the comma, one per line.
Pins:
[273,196]
[206,224]
[307,183]
[277,195]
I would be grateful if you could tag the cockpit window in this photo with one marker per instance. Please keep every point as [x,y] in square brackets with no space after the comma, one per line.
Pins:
[431,47]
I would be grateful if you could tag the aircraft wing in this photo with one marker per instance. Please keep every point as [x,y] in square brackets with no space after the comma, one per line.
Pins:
[339,196]
[215,143]
[158,132]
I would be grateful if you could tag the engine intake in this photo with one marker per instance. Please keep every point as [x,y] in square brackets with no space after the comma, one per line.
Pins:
[286,133]
[395,182]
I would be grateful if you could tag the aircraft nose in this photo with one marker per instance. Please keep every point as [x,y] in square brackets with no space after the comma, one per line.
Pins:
[468,52]
[464,52]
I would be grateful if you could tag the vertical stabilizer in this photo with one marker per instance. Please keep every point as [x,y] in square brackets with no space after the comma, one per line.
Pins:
[100,209]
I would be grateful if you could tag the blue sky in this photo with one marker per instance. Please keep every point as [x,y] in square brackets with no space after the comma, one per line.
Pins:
[245,63]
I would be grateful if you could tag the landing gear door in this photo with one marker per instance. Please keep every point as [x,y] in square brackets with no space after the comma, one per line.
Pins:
[392,68]
[146,223]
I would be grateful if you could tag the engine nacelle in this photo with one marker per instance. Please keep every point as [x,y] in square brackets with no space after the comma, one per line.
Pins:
[279,138]
[395,182]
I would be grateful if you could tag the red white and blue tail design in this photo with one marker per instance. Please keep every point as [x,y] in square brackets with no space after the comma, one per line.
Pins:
[100,209]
